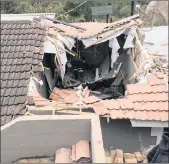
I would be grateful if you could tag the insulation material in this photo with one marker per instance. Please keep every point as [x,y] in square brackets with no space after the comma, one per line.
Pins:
[57,47]
[70,42]
[102,38]
[61,55]
[32,86]
[49,47]
[113,43]
[129,40]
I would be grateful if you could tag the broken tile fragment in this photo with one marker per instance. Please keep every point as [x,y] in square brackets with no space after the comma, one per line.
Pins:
[82,151]
[62,156]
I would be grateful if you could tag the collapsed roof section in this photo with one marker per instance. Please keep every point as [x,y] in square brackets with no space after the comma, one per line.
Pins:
[147,101]
[21,51]
[104,58]
[93,28]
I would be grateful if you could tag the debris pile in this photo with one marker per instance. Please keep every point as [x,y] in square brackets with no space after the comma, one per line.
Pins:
[79,153]
[118,156]
[145,101]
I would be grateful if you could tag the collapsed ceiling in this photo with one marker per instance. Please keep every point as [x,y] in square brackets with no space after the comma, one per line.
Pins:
[103,60]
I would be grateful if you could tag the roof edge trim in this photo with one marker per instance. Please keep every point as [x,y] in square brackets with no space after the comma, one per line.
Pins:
[141,123]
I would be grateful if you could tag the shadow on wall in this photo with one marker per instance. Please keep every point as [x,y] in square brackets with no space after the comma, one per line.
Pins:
[119,134]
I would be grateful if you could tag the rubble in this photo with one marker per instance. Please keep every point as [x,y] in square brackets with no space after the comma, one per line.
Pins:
[78,153]
[118,156]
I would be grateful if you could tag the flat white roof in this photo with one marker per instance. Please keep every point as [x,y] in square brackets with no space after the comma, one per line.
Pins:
[28,16]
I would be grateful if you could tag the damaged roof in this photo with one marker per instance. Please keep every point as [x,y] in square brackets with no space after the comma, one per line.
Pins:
[147,101]
[92,28]
[21,49]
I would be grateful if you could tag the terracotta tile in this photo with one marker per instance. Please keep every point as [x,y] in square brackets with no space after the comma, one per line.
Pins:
[149,97]
[159,89]
[164,115]
[139,106]
[72,99]
[86,92]
[138,88]
[73,156]
[40,101]
[139,157]
[122,114]
[108,159]
[136,97]
[159,75]
[82,150]
[125,103]
[153,115]
[68,92]
[111,104]
[140,115]
[91,100]
[153,80]
[56,98]
[119,156]
[149,106]
[129,158]
[162,97]
[64,96]
[117,114]
[62,156]
[100,109]
[163,106]
[155,97]
[129,114]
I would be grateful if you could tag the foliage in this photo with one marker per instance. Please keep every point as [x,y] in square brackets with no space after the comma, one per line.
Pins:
[121,8]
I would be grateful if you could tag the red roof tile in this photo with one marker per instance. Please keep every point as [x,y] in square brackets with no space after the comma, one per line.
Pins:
[62,156]
[140,115]
[141,88]
[111,104]
[143,101]
[64,96]
[159,89]
[126,104]
[93,28]
[164,116]
[82,150]
[73,153]
[41,101]
[154,80]
[100,109]
[153,115]
[122,114]
[91,100]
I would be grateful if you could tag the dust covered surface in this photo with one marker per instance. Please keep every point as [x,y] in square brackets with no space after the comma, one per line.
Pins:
[36,160]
